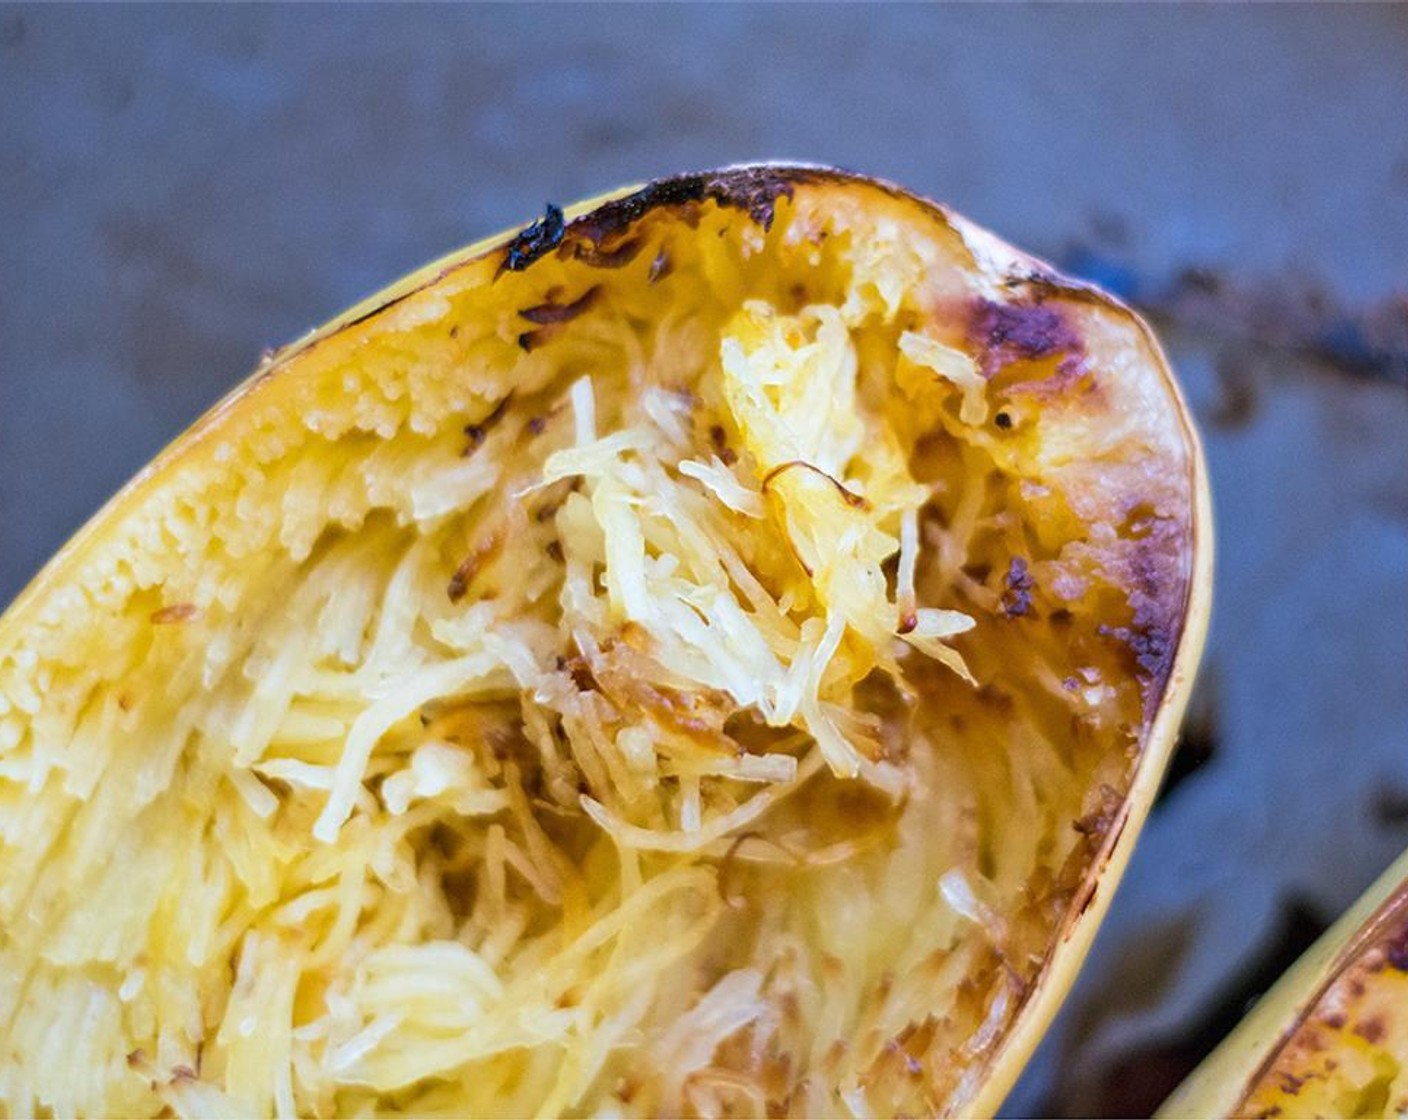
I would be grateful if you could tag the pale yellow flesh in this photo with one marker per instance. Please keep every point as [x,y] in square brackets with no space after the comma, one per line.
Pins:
[1331,1038]
[314,570]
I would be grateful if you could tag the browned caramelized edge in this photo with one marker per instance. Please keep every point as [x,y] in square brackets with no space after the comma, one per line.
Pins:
[1029,327]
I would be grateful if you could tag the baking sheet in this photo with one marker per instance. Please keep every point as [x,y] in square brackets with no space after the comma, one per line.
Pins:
[180,187]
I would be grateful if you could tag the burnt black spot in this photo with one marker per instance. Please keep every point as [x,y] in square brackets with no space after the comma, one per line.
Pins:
[459,582]
[589,238]
[1003,421]
[754,190]
[1018,585]
[544,314]
[616,257]
[476,434]
[718,439]
[1152,647]
[1040,281]
[1020,331]
[538,239]
[1157,586]
[582,675]
[1096,824]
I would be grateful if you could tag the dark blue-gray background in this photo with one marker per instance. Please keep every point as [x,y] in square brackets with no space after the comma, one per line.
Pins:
[182,186]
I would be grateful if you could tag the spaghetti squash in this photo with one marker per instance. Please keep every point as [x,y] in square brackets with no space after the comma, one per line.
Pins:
[1331,1038]
[705,653]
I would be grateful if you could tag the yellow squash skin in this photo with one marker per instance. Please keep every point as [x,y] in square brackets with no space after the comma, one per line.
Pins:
[1331,1038]
[143,576]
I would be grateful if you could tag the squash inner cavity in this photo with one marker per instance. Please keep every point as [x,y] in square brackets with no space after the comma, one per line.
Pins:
[692,675]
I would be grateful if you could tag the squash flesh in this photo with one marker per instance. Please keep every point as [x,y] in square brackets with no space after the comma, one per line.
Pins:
[462,760]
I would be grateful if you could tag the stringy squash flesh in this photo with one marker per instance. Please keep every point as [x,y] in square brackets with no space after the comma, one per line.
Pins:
[692,662]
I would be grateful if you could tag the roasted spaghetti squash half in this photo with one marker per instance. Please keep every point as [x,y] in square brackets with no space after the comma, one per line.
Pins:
[708,652]
[1331,1038]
